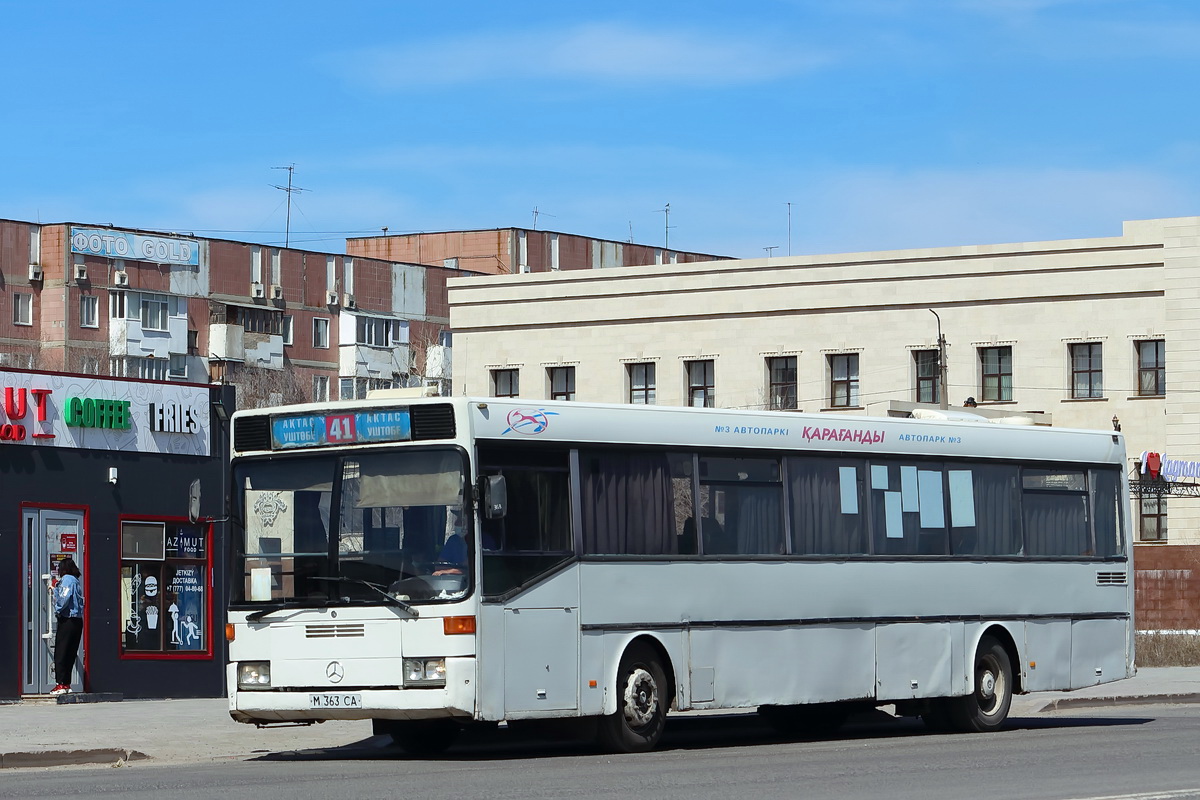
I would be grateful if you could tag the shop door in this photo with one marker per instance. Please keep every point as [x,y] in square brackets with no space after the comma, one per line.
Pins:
[48,536]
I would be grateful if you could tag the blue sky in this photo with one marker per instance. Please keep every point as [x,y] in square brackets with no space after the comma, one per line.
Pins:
[884,123]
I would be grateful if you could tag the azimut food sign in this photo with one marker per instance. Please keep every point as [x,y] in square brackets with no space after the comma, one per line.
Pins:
[96,414]
[1157,465]
[135,246]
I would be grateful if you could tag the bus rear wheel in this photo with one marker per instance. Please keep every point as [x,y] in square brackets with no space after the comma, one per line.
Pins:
[422,737]
[642,698]
[986,708]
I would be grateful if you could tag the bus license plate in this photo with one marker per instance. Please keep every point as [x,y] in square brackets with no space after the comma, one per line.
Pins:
[334,700]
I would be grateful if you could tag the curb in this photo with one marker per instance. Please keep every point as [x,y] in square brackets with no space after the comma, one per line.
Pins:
[1124,700]
[63,758]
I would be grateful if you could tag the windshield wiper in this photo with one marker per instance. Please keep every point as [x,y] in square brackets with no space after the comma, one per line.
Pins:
[291,604]
[403,606]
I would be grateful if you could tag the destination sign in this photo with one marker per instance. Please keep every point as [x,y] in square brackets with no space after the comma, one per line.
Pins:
[324,430]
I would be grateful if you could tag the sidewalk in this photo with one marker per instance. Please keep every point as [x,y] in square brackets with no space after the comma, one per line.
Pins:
[44,734]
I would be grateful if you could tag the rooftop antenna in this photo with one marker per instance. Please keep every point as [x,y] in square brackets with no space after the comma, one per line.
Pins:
[536,214]
[789,228]
[287,231]
[666,212]
[631,231]
[770,250]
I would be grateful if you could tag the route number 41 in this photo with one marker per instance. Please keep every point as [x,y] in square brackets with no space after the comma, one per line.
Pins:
[340,428]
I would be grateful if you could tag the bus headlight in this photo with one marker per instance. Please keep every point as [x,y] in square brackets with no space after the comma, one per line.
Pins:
[424,672]
[254,675]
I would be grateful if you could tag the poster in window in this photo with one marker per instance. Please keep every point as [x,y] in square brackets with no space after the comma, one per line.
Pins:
[185,618]
[141,605]
[186,542]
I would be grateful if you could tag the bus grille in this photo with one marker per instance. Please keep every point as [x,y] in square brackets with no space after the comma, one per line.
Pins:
[336,630]
[1110,578]
[433,421]
[252,433]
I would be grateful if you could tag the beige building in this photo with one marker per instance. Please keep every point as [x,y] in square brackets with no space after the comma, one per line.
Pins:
[1074,332]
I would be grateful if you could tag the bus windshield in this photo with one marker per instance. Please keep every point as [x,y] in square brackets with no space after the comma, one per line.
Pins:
[332,528]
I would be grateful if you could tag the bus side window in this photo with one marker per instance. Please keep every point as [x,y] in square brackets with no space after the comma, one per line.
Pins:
[535,535]
[826,505]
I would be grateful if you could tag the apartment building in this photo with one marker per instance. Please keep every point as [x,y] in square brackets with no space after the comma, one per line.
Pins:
[284,325]
[505,251]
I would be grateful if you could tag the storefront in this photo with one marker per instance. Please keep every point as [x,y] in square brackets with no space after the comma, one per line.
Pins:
[99,470]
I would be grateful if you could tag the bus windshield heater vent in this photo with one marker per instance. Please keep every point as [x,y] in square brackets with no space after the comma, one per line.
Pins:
[252,433]
[433,422]
[335,631]
[1110,578]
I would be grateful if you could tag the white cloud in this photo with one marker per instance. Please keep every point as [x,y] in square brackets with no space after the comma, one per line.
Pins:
[598,53]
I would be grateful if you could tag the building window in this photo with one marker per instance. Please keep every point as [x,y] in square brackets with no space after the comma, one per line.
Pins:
[562,383]
[89,311]
[373,331]
[22,309]
[995,374]
[150,369]
[286,328]
[925,364]
[116,305]
[164,577]
[177,366]
[256,264]
[1087,374]
[506,383]
[782,376]
[154,313]
[1153,518]
[276,272]
[321,333]
[843,380]
[1152,368]
[320,391]
[701,383]
[357,388]
[642,383]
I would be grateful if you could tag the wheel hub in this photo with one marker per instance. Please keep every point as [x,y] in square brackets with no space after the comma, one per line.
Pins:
[641,698]
[987,685]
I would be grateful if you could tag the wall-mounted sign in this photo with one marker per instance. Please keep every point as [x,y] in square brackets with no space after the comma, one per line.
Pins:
[135,246]
[1156,465]
[100,414]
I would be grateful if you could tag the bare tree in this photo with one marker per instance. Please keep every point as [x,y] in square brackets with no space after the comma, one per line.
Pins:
[258,387]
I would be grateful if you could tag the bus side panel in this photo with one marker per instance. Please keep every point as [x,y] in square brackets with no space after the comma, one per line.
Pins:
[1048,648]
[919,660]
[785,666]
[489,683]
[1097,651]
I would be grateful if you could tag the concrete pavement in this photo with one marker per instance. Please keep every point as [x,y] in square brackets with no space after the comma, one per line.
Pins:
[46,734]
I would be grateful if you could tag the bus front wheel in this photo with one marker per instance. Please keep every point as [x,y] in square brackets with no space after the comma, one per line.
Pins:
[986,708]
[642,700]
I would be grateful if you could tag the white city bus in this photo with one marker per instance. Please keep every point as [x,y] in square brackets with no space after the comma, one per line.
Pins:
[434,563]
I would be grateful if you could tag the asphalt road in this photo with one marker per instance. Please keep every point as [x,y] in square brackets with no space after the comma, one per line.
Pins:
[1143,752]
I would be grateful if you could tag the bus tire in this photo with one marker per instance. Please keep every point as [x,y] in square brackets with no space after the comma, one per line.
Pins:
[422,737]
[642,698]
[986,708]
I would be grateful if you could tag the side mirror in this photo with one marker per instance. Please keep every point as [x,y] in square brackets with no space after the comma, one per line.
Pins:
[494,493]
[194,501]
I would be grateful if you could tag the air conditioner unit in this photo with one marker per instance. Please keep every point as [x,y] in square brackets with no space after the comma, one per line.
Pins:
[348,301]
[35,272]
[257,290]
[120,278]
[276,291]
[331,298]
[81,272]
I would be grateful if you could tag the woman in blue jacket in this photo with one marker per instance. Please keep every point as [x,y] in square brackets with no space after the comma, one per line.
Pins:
[68,607]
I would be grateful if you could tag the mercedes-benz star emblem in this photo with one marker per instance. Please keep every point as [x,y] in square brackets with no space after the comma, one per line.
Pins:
[334,672]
